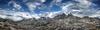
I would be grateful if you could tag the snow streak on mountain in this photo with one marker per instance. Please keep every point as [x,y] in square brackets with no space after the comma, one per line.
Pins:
[25,9]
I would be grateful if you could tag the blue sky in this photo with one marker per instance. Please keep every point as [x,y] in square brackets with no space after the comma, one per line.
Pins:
[35,8]
[3,4]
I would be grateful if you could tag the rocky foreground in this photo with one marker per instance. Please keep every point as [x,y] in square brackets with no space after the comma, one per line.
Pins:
[60,22]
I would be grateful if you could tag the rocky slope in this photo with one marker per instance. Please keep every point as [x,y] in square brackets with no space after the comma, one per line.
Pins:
[60,22]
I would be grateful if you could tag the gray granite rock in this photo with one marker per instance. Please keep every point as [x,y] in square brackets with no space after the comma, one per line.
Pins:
[60,22]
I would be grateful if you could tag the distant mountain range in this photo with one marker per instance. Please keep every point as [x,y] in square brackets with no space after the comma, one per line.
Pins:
[60,22]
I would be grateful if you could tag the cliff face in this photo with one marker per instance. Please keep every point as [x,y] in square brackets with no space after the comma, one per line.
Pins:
[60,22]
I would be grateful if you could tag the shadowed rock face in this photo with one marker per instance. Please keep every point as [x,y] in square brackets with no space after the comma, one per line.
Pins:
[60,22]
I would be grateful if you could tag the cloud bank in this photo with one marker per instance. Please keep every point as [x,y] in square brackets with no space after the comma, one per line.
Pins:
[78,8]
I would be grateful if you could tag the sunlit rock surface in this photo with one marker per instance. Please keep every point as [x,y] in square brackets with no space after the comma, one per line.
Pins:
[60,22]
